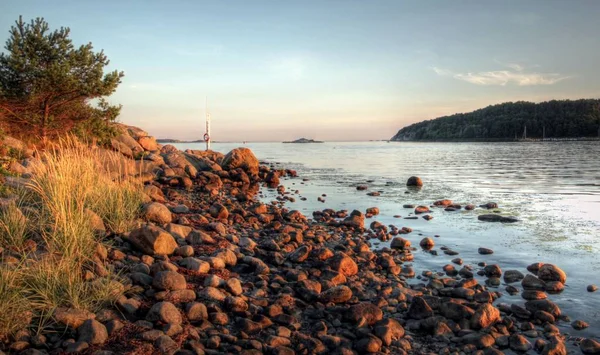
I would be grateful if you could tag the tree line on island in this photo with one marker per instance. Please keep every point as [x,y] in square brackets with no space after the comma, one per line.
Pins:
[512,121]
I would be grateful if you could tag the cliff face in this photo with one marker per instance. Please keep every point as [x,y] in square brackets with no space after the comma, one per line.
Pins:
[552,119]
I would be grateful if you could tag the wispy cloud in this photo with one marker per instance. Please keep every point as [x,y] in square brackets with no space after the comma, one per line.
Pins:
[518,75]
[290,67]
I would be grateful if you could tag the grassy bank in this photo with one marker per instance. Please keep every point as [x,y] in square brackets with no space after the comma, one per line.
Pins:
[53,236]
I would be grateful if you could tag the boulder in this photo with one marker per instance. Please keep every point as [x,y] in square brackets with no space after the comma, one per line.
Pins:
[152,240]
[241,158]
[169,280]
[388,330]
[549,272]
[338,294]
[485,316]
[148,143]
[72,317]
[419,309]
[92,332]
[165,312]
[497,218]
[367,311]
[343,264]
[414,181]
[157,213]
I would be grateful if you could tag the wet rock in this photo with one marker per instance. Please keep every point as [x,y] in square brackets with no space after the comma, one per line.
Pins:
[355,220]
[554,287]
[579,325]
[374,211]
[218,211]
[518,342]
[414,181]
[549,272]
[388,330]
[169,280]
[165,312]
[367,311]
[157,213]
[427,243]
[590,346]
[531,282]
[533,295]
[422,209]
[511,276]
[153,240]
[166,345]
[480,340]
[485,251]
[485,316]
[419,309]
[92,332]
[338,294]
[400,243]
[369,344]
[497,218]
[492,270]
[343,264]
[443,203]
[543,305]
[300,254]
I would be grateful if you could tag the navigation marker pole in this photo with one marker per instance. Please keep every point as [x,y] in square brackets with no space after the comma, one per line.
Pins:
[207,134]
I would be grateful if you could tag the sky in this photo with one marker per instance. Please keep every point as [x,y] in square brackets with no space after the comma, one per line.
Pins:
[327,69]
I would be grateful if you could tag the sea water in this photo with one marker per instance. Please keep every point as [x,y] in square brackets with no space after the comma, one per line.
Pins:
[553,188]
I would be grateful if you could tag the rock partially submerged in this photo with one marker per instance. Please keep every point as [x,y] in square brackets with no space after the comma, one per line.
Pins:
[497,218]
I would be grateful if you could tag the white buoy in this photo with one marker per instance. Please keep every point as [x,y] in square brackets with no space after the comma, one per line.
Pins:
[207,133]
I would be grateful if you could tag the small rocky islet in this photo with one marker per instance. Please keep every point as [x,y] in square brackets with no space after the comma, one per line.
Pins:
[213,270]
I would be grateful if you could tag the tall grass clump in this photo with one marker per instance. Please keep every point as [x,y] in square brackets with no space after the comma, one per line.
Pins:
[75,179]
[15,310]
[14,230]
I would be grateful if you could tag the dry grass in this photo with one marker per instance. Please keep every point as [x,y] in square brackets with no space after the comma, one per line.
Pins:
[75,179]
[15,311]
[14,230]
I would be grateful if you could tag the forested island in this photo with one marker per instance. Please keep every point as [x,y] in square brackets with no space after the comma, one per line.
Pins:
[304,140]
[512,121]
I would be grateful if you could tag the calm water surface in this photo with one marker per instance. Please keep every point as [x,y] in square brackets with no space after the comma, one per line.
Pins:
[552,187]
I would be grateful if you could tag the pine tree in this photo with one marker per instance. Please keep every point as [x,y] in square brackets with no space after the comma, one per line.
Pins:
[47,85]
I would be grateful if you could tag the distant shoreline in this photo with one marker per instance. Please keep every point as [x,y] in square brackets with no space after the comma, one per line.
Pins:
[498,140]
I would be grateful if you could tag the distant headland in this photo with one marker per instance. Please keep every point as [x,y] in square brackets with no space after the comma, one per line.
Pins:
[512,121]
[304,140]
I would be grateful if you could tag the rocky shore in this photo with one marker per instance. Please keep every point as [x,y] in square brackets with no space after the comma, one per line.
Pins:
[213,269]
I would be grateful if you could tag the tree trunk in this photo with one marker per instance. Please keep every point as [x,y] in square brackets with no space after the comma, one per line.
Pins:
[43,130]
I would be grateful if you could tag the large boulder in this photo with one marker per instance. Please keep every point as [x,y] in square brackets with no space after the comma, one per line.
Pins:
[129,142]
[344,264]
[177,161]
[157,213]
[485,316]
[241,158]
[549,272]
[153,240]
[148,143]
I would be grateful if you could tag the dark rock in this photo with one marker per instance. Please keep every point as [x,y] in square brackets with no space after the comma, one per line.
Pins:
[497,218]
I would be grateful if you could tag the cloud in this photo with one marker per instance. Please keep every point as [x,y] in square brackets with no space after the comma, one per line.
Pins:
[290,67]
[518,75]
